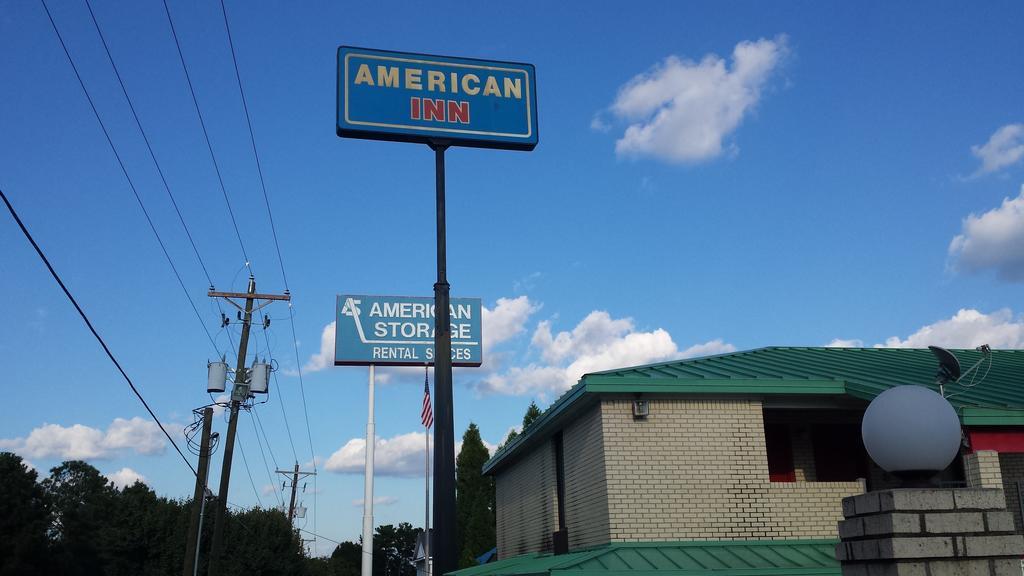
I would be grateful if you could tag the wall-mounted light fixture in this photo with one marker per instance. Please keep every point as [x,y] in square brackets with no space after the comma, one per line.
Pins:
[641,409]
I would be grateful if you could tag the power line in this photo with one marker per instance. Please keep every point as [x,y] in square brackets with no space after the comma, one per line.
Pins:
[92,329]
[277,245]
[280,396]
[145,139]
[266,439]
[270,477]
[156,163]
[249,473]
[206,134]
[124,170]
[319,536]
[252,139]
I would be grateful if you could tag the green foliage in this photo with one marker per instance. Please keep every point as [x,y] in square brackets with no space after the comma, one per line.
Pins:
[394,548]
[346,559]
[261,542]
[532,413]
[83,503]
[76,522]
[24,519]
[474,499]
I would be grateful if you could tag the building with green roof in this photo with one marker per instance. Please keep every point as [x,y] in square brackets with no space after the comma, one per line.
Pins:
[728,464]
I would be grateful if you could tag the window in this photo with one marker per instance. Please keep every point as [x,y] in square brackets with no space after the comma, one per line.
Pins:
[780,453]
[839,454]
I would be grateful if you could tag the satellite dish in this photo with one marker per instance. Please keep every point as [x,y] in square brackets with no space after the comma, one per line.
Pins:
[949,366]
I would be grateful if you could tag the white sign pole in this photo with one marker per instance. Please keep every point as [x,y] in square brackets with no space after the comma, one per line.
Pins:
[367,569]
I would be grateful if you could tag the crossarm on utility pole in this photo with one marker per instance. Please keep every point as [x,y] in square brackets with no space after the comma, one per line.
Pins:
[239,394]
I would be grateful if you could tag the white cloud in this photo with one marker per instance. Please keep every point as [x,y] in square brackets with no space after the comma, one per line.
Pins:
[710,348]
[268,489]
[681,111]
[79,442]
[841,343]
[221,404]
[142,436]
[506,320]
[992,241]
[399,456]
[1004,148]
[125,477]
[968,328]
[598,342]
[377,501]
[325,357]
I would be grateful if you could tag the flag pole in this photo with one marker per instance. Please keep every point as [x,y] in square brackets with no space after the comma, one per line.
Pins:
[426,481]
[371,439]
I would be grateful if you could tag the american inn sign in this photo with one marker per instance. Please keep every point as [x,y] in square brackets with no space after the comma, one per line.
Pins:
[420,98]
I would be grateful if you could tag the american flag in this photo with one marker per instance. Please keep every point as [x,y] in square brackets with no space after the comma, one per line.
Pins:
[427,414]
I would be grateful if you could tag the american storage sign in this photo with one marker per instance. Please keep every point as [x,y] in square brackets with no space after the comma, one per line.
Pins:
[436,99]
[399,331]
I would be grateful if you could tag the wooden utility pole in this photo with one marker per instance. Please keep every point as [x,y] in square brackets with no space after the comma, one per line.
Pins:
[239,394]
[296,475]
[199,495]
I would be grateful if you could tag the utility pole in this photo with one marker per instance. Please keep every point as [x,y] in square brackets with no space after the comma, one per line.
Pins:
[199,496]
[239,394]
[296,475]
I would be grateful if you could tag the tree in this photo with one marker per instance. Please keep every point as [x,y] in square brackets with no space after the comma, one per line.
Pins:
[259,541]
[346,560]
[394,548]
[474,499]
[83,501]
[143,533]
[532,413]
[24,519]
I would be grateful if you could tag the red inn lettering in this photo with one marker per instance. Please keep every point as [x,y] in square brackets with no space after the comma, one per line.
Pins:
[439,110]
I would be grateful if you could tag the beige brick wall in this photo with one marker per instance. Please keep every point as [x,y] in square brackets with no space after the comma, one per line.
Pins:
[1012,471]
[803,454]
[526,507]
[982,469]
[697,470]
[586,489]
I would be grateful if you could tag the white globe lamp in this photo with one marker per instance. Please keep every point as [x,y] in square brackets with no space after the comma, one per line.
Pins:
[911,432]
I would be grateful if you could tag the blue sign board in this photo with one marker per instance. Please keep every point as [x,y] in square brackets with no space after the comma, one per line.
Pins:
[399,331]
[422,98]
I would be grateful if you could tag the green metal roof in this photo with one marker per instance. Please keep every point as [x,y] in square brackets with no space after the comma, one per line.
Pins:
[734,557]
[995,399]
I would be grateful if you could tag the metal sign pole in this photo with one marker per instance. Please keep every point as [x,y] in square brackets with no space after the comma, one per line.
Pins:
[445,554]
[371,439]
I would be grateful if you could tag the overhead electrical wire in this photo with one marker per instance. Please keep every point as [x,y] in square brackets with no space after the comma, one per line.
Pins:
[145,138]
[124,170]
[206,134]
[156,163]
[277,245]
[92,329]
[245,461]
[270,477]
[280,397]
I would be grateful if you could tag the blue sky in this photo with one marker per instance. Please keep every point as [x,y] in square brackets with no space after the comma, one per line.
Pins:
[709,177]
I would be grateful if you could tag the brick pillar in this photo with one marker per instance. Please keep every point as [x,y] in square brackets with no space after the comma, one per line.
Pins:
[982,469]
[928,532]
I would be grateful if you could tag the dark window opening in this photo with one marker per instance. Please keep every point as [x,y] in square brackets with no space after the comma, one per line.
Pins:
[780,453]
[560,539]
[560,479]
[839,454]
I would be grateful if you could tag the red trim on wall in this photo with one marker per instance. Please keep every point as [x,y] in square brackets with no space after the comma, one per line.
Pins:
[999,439]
